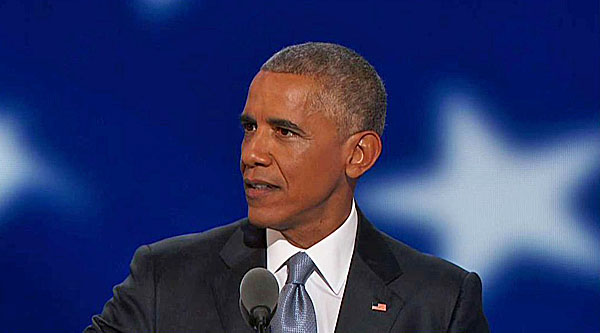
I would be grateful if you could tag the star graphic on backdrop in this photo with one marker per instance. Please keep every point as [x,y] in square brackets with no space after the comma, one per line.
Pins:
[489,200]
[16,165]
[21,168]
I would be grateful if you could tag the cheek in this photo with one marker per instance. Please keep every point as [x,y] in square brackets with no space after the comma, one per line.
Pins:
[313,172]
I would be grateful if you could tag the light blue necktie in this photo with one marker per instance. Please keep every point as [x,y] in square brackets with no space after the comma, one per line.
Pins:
[295,310]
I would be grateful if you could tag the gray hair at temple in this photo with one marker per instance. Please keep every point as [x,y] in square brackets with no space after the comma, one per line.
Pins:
[351,91]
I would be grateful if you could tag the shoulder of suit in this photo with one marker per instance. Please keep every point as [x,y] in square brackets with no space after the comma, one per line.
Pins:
[197,245]
[428,268]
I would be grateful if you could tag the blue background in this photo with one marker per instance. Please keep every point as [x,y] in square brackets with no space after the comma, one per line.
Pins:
[120,128]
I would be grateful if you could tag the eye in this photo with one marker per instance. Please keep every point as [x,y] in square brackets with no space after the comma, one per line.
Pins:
[285,132]
[249,127]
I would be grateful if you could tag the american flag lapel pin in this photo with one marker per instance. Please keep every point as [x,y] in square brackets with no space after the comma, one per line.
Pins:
[381,307]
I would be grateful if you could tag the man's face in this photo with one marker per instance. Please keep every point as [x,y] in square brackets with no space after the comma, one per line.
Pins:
[292,162]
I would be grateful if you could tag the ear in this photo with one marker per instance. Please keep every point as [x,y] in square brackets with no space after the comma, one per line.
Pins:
[364,150]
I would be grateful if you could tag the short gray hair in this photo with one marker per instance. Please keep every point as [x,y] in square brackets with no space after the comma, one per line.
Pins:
[351,90]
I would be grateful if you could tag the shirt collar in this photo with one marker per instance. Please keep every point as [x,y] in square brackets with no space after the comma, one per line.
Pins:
[331,255]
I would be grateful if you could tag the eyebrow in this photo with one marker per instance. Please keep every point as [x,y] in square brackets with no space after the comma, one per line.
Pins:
[246,119]
[276,122]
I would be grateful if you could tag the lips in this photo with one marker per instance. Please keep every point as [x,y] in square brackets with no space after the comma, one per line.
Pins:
[251,183]
[258,188]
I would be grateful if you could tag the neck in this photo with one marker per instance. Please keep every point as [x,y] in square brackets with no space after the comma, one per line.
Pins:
[314,229]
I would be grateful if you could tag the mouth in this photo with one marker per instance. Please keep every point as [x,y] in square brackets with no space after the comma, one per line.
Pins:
[256,189]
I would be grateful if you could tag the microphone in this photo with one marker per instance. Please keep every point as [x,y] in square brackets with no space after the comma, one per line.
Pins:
[258,298]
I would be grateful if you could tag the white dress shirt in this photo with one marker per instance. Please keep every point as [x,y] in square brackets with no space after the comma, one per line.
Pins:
[331,255]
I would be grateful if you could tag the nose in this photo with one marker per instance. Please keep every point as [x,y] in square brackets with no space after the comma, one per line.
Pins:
[255,150]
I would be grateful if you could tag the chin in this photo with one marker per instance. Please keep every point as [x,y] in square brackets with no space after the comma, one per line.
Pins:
[266,218]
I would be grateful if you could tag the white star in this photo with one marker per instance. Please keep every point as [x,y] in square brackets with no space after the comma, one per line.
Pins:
[490,201]
[16,166]
[159,10]
[21,169]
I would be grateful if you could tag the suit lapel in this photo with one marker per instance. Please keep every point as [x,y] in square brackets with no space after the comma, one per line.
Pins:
[244,250]
[372,270]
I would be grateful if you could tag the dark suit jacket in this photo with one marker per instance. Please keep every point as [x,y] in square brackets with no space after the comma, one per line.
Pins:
[191,284]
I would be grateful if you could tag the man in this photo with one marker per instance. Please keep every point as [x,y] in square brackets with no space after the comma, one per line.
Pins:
[312,123]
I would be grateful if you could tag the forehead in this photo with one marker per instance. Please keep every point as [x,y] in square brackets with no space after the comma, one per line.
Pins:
[279,92]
